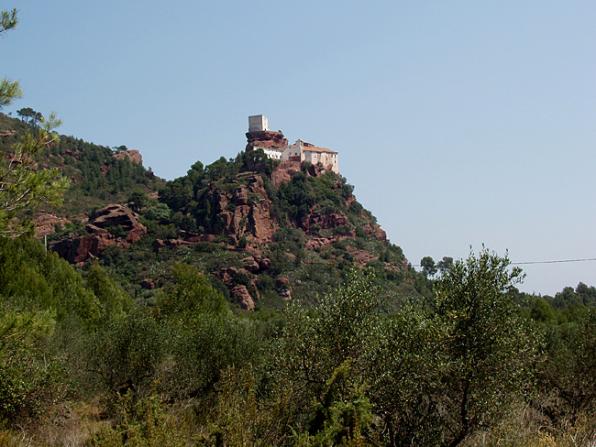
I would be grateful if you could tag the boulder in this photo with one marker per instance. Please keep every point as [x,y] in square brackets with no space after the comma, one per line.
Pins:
[250,264]
[241,296]
[282,285]
[80,249]
[119,215]
[98,237]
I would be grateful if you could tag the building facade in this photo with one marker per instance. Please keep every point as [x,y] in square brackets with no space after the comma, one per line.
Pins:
[272,152]
[306,152]
[276,146]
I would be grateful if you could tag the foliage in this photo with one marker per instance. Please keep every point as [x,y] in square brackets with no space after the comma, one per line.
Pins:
[23,186]
[8,90]
[344,415]
[567,374]
[30,116]
[140,423]
[114,301]
[407,367]
[31,279]
[191,293]
[428,265]
[29,380]
[491,349]
[127,353]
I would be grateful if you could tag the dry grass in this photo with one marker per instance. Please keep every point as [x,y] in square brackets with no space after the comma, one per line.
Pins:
[525,427]
[65,425]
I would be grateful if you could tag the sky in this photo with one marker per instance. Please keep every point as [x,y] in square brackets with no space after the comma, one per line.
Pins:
[459,123]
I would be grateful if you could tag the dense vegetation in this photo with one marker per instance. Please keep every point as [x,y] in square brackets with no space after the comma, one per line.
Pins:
[480,363]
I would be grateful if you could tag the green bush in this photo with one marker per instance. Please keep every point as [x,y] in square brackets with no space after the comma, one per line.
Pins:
[31,378]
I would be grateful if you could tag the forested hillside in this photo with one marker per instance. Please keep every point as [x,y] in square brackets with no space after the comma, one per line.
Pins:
[263,231]
[98,175]
[253,302]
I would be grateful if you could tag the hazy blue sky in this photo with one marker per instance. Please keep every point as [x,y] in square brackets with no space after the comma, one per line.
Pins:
[458,122]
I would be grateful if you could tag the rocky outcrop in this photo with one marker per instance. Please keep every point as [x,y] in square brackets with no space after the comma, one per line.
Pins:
[79,249]
[316,221]
[266,139]
[241,284]
[316,243]
[242,297]
[256,264]
[114,225]
[282,285]
[361,257]
[116,215]
[45,224]
[284,172]
[132,155]
[375,231]
[246,212]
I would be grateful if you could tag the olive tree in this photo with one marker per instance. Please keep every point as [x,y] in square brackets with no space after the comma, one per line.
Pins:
[489,347]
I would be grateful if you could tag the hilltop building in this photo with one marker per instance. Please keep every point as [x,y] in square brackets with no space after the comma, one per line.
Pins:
[275,146]
[303,151]
[257,123]
[260,137]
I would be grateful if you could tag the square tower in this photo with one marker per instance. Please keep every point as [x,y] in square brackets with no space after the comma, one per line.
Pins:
[258,123]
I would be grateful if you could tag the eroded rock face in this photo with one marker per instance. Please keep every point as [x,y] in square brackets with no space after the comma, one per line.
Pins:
[133,155]
[116,215]
[324,221]
[45,224]
[266,138]
[316,243]
[246,212]
[284,172]
[362,257]
[374,230]
[114,225]
[80,249]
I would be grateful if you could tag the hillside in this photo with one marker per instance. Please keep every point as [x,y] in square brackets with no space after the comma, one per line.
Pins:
[265,231]
[98,174]
[146,337]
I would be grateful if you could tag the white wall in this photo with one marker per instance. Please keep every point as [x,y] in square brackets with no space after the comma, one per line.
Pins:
[276,155]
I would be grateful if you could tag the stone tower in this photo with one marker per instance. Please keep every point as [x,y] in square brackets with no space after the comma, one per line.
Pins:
[258,123]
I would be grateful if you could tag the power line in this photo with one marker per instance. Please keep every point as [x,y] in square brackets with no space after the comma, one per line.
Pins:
[552,261]
[555,261]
